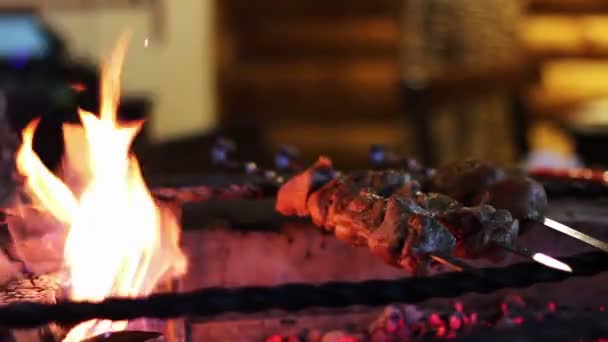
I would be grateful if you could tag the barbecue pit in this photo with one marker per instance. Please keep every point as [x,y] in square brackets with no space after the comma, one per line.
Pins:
[109,256]
[227,240]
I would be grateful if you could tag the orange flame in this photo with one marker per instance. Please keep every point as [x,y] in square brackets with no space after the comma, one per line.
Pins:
[120,243]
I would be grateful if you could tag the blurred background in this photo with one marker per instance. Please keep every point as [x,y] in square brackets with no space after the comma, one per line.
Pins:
[516,82]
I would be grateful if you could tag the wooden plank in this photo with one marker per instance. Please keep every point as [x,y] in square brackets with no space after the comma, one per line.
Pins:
[363,71]
[568,6]
[310,102]
[344,90]
[278,39]
[256,10]
[351,29]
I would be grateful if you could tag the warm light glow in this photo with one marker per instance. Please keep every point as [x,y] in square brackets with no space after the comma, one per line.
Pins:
[551,262]
[120,243]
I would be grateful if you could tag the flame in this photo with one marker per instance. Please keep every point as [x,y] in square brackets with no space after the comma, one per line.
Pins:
[120,243]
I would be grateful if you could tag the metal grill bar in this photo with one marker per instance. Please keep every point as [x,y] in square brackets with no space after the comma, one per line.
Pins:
[294,297]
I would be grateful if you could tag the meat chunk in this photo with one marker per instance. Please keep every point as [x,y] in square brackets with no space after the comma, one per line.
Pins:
[435,202]
[320,201]
[293,195]
[480,229]
[388,239]
[427,236]
[386,183]
[381,183]
[523,197]
[408,234]
[463,180]
[360,218]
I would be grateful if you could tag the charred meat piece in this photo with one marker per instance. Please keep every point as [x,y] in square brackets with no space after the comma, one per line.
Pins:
[388,239]
[463,180]
[435,202]
[362,215]
[386,183]
[479,229]
[408,234]
[405,227]
[320,201]
[348,187]
[408,189]
[292,196]
[427,236]
[523,197]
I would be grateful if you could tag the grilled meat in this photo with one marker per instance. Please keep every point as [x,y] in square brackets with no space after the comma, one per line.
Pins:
[479,230]
[332,198]
[476,183]
[408,235]
[523,197]
[320,201]
[360,217]
[387,212]
[292,196]
[463,180]
[426,236]
[435,202]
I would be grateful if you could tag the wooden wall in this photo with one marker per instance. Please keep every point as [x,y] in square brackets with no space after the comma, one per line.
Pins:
[297,69]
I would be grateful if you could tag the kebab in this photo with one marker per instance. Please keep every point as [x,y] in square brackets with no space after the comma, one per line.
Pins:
[386,211]
[302,185]
[475,182]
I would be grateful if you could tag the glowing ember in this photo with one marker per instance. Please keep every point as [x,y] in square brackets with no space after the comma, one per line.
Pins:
[120,243]
[438,322]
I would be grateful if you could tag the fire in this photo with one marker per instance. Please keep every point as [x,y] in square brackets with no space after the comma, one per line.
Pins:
[120,243]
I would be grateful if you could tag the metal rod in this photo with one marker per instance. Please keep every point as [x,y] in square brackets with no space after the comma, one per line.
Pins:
[538,257]
[456,264]
[562,228]
[294,297]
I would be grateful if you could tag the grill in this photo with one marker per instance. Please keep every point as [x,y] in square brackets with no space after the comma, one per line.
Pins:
[257,276]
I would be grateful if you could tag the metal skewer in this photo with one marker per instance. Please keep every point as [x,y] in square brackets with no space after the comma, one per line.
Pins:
[455,264]
[538,257]
[562,228]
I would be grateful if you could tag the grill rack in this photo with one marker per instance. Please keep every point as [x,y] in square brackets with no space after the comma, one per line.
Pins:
[218,199]
[296,297]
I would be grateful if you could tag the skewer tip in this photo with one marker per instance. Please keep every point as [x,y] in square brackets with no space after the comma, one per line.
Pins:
[551,262]
[448,263]
[456,264]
